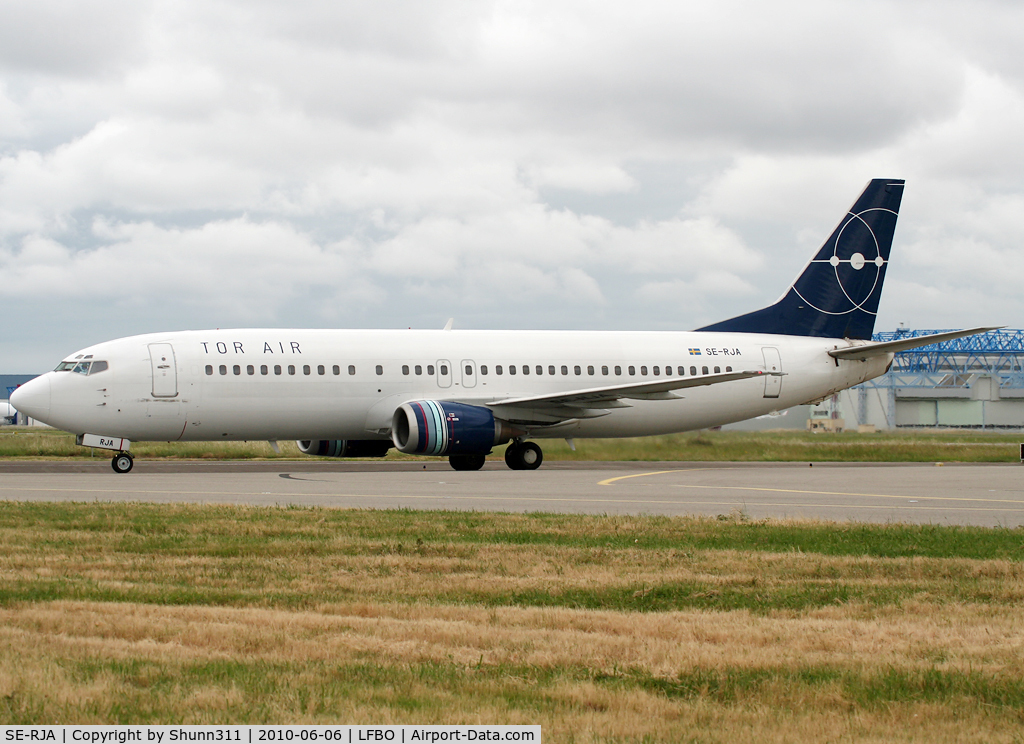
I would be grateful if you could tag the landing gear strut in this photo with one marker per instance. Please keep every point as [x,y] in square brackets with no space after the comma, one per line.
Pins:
[467,462]
[122,462]
[523,456]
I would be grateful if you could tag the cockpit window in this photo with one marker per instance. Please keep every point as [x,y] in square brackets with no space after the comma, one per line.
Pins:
[82,368]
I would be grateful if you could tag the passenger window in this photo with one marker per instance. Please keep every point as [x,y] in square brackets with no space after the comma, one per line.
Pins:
[380,370]
[565,370]
[728,369]
[97,367]
[209,369]
[277,369]
[483,369]
[469,369]
[577,369]
[632,370]
[320,369]
[444,369]
[264,370]
[405,369]
[643,370]
[718,370]
[551,369]
[704,370]
[250,370]
[497,369]
[540,370]
[291,369]
[657,371]
[351,369]
[237,369]
[590,369]
[526,369]
[337,369]
[430,369]
[511,369]
[223,369]
[680,371]
[418,369]
[604,370]
[618,370]
[305,369]
[693,370]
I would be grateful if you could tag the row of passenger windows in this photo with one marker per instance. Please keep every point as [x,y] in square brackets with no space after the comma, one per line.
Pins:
[250,369]
[539,369]
[591,370]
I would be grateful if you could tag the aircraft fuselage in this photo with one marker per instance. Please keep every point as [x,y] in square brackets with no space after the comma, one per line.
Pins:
[270,384]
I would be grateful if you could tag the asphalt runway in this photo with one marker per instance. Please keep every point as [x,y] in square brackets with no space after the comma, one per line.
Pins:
[987,495]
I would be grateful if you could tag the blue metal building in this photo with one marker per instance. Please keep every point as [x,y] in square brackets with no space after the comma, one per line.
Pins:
[972,382]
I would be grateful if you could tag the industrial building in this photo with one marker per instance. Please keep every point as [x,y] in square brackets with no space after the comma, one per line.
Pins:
[975,382]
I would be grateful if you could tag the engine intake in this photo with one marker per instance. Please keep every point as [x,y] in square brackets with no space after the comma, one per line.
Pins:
[431,427]
[344,447]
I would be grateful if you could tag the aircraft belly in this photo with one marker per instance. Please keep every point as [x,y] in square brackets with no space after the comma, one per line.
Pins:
[279,418]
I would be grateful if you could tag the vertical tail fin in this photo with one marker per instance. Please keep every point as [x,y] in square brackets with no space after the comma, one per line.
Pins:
[837,294]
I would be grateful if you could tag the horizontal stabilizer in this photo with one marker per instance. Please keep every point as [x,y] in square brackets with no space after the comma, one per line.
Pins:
[866,351]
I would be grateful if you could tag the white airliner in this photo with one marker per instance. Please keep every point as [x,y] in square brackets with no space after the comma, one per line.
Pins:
[356,393]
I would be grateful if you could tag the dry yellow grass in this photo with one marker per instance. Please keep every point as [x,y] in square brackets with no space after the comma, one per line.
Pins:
[39,643]
[600,629]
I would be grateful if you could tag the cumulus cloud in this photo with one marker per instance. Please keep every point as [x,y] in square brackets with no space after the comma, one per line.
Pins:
[555,164]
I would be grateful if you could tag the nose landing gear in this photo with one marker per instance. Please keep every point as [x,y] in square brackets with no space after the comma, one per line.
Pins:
[122,462]
[523,456]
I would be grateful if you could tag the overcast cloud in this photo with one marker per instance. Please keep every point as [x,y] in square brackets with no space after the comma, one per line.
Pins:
[559,164]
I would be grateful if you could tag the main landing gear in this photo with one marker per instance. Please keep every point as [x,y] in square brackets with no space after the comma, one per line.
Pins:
[523,456]
[518,456]
[122,462]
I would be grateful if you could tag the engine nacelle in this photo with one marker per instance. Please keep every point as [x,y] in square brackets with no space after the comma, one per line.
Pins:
[344,447]
[432,427]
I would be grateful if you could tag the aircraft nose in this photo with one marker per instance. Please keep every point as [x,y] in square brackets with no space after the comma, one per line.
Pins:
[33,398]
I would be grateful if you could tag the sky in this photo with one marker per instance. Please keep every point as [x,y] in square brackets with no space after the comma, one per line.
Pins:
[557,164]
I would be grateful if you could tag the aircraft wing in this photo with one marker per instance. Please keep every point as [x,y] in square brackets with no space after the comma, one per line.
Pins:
[866,351]
[605,397]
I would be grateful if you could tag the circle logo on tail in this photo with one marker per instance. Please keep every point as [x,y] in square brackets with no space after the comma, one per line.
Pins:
[857,263]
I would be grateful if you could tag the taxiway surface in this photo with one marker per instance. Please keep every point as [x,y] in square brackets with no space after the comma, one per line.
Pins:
[988,495]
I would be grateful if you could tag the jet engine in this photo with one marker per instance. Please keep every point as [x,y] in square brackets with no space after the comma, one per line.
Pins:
[432,427]
[344,447]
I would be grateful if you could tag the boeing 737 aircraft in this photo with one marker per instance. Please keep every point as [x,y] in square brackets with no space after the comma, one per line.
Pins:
[356,393]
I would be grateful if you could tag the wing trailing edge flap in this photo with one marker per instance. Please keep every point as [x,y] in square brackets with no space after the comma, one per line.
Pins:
[866,351]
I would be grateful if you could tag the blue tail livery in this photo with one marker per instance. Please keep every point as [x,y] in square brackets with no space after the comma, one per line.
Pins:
[837,294]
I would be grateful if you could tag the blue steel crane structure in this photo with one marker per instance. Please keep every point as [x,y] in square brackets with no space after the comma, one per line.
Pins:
[949,368]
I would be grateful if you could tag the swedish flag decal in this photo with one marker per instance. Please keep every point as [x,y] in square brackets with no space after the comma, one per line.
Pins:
[694,352]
